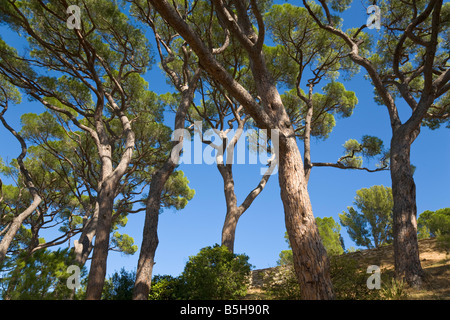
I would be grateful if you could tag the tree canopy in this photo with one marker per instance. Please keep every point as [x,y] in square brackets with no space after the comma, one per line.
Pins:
[372,226]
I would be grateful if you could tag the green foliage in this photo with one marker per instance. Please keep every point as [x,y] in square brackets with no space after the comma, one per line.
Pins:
[41,276]
[372,227]
[434,223]
[177,192]
[330,233]
[348,277]
[443,242]
[350,280]
[305,55]
[412,54]
[8,93]
[124,243]
[119,286]
[215,273]
[165,287]
[286,257]
[368,148]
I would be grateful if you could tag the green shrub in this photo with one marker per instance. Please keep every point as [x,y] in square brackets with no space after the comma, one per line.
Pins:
[434,223]
[165,288]
[350,280]
[443,242]
[215,273]
[119,286]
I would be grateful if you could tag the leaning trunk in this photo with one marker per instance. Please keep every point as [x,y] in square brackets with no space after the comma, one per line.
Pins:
[233,214]
[310,258]
[15,226]
[307,133]
[97,270]
[406,247]
[311,262]
[150,234]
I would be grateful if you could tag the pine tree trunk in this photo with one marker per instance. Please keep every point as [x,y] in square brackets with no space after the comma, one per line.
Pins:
[406,247]
[307,135]
[150,234]
[17,222]
[229,229]
[150,240]
[232,216]
[97,270]
[310,258]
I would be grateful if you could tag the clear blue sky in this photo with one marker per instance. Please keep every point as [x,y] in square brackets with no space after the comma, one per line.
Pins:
[260,231]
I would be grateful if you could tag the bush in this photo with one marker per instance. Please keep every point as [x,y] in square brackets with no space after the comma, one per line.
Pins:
[443,242]
[349,280]
[215,273]
[434,223]
[165,288]
[119,286]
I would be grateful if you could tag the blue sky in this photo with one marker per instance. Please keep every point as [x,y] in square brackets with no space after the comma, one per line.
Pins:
[260,231]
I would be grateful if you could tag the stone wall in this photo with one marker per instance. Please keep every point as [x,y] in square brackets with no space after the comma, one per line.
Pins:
[258,276]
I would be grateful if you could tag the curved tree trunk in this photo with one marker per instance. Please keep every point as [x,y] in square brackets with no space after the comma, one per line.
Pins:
[18,220]
[150,239]
[233,212]
[15,226]
[406,247]
[97,271]
[310,258]
[150,234]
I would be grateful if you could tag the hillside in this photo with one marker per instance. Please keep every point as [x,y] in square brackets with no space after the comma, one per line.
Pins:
[435,262]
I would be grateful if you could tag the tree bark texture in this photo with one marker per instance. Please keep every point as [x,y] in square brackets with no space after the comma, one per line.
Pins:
[150,239]
[233,212]
[15,226]
[406,247]
[310,258]
[97,271]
